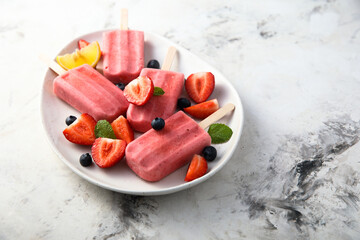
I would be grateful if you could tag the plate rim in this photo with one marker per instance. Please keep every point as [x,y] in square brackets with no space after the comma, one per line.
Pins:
[164,191]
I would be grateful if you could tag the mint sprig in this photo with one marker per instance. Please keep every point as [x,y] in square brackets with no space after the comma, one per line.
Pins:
[158,91]
[219,133]
[103,129]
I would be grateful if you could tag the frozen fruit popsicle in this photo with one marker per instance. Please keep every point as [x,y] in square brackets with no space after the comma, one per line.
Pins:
[156,154]
[88,91]
[123,53]
[163,106]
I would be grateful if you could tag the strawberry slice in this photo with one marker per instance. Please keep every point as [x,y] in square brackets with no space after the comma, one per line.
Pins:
[107,152]
[199,86]
[122,129]
[82,130]
[197,168]
[82,43]
[139,90]
[203,110]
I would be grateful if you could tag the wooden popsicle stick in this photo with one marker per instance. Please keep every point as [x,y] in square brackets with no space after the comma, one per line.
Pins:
[99,67]
[217,115]
[52,64]
[169,58]
[124,19]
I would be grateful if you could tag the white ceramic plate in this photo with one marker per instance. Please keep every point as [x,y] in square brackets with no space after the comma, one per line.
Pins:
[120,178]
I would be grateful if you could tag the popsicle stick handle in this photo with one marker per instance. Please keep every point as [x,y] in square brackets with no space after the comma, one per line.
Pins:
[52,64]
[169,58]
[217,115]
[124,19]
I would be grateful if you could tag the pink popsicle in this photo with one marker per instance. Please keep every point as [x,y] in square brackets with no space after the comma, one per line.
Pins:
[156,154]
[123,52]
[89,92]
[163,106]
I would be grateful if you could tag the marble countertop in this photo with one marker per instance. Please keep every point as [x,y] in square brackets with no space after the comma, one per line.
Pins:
[296,171]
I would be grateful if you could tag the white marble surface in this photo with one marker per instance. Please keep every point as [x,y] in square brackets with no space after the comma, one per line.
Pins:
[295,174]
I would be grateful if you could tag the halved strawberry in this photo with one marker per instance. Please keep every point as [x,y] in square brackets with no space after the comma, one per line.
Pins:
[82,130]
[107,152]
[203,110]
[122,129]
[199,86]
[139,90]
[82,43]
[197,168]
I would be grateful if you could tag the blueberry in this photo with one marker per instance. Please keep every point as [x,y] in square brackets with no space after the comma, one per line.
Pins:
[158,123]
[85,160]
[121,86]
[209,153]
[183,103]
[70,119]
[153,64]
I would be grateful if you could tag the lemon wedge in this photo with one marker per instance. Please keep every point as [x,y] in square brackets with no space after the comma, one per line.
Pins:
[87,55]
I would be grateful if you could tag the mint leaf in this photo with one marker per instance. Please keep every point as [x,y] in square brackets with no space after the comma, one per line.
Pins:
[219,133]
[104,129]
[158,91]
